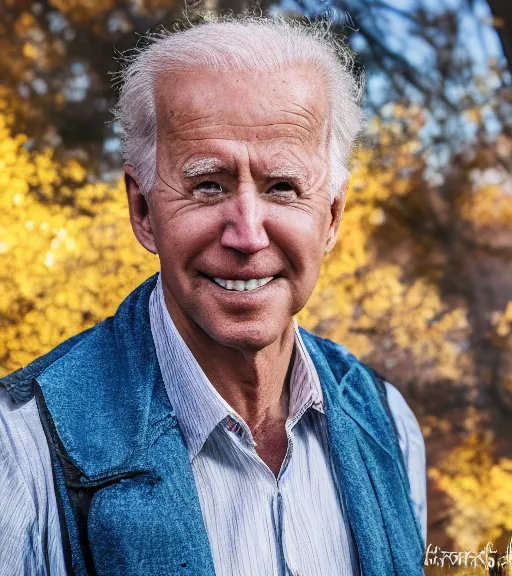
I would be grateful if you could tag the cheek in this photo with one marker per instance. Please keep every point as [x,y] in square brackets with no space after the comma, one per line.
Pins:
[182,233]
[301,237]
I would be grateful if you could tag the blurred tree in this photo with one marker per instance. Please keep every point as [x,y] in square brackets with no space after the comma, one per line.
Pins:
[61,270]
[502,13]
[372,295]
[481,490]
[55,57]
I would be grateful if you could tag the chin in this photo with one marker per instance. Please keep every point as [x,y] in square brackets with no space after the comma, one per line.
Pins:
[246,335]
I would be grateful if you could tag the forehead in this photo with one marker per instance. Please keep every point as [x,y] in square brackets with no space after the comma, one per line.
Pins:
[254,106]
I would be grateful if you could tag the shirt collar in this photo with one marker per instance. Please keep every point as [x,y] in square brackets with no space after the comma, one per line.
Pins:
[199,408]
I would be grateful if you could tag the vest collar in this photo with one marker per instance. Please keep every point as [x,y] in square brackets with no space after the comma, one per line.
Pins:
[368,463]
[350,389]
[106,395]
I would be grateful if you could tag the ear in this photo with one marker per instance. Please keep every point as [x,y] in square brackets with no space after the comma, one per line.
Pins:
[139,210]
[337,207]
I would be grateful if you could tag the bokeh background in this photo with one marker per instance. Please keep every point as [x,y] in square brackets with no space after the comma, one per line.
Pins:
[420,283]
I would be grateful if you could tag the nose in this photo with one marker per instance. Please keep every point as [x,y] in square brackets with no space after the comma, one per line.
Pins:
[244,228]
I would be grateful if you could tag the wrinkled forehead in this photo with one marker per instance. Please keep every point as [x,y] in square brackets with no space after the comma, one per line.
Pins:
[244,103]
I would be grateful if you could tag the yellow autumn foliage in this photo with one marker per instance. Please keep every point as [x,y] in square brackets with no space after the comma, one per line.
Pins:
[480,489]
[503,321]
[62,268]
[83,10]
[488,206]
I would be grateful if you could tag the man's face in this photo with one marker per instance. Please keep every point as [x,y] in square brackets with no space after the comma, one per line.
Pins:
[240,214]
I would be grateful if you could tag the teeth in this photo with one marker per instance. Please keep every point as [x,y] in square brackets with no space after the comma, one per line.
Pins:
[242,285]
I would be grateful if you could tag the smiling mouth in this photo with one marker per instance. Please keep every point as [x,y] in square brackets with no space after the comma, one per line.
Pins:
[241,285]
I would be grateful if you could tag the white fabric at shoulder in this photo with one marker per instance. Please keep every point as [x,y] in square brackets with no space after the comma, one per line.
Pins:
[413,449]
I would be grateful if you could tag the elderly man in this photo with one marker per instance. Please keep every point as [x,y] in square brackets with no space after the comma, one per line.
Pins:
[199,430]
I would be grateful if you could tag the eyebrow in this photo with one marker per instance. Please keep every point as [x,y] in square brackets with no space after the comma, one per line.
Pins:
[289,171]
[203,167]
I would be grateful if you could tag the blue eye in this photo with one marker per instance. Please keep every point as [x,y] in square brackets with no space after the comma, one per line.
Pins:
[209,188]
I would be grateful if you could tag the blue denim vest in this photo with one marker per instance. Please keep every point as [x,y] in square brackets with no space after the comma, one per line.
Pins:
[125,490]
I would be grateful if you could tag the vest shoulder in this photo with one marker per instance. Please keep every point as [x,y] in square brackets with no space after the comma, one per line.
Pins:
[325,344]
[19,384]
[341,360]
[337,355]
[100,338]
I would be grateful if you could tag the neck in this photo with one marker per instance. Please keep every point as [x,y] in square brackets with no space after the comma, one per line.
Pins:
[255,383]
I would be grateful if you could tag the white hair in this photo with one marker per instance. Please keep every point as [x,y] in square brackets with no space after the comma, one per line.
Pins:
[240,43]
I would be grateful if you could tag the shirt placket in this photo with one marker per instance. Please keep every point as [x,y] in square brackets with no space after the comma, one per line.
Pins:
[287,566]
[245,441]
[237,431]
